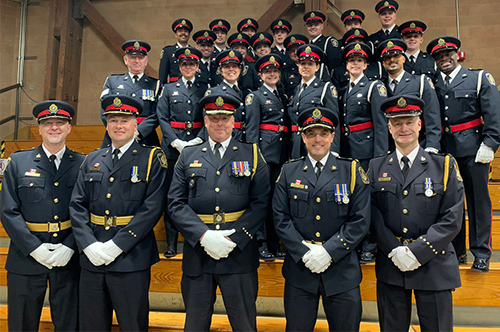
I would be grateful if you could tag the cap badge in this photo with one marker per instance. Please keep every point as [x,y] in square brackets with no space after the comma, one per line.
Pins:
[441,42]
[249,21]
[402,102]
[390,44]
[308,49]
[117,102]
[412,25]
[231,54]
[205,34]
[53,108]
[187,52]
[386,4]
[316,114]
[240,37]
[312,15]
[272,59]
[356,32]
[219,101]
[280,23]
[293,39]
[219,23]
[183,22]
[357,47]
[262,37]
[137,45]
[352,14]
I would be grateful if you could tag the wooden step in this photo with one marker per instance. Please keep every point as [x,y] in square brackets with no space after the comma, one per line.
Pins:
[82,132]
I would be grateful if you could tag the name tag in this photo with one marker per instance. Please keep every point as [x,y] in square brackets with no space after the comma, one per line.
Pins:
[385,179]
[32,174]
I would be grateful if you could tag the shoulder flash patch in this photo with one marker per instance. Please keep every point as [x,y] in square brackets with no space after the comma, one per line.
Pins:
[490,79]
[335,43]
[162,158]
[249,99]
[245,70]
[363,175]
[334,92]
[382,91]
[161,55]
[430,82]
[459,176]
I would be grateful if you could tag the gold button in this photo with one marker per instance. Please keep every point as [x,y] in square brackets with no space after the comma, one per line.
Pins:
[318,199]
[218,172]
[318,234]
[217,208]
[111,179]
[405,211]
[217,190]
[447,129]
[108,195]
[106,228]
[318,217]
[192,175]
[56,217]
[217,226]
[405,192]
[90,180]
[443,252]
[345,244]
[56,184]
[55,235]
[347,248]
[56,200]
[106,212]
[294,196]
[31,184]
[383,189]
[405,230]
[306,187]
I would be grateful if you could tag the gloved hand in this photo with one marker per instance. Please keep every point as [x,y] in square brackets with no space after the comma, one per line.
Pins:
[179,144]
[216,244]
[195,141]
[60,255]
[404,259]
[317,259]
[137,135]
[95,254]
[42,254]
[484,154]
[433,150]
[111,249]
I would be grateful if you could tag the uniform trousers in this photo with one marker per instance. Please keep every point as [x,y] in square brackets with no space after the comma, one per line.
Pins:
[170,229]
[343,311]
[369,244]
[239,292]
[27,292]
[475,176]
[125,292]
[434,308]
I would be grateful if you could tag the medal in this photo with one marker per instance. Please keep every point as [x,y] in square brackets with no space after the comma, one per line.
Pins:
[234,168]
[345,200]
[246,166]
[135,174]
[345,194]
[338,195]
[428,187]
[240,168]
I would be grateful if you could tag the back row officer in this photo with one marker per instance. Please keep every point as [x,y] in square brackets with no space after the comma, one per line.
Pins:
[417,61]
[169,68]
[387,14]
[35,213]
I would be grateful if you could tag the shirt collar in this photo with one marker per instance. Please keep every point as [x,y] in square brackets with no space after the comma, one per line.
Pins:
[123,149]
[399,78]
[231,85]
[267,86]
[315,39]
[138,75]
[225,144]
[309,82]
[357,79]
[453,74]
[415,55]
[390,29]
[412,155]
[184,80]
[322,161]
[58,155]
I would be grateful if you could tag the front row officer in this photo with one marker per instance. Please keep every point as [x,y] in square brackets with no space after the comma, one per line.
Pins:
[417,207]
[321,212]
[218,200]
[35,213]
[119,197]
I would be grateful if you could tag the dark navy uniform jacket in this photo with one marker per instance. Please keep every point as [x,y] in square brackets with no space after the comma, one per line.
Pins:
[178,104]
[331,47]
[356,109]
[374,71]
[400,208]
[264,107]
[104,190]
[316,94]
[249,79]
[33,193]
[208,72]
[424,64]
[305,208]
[169,66]
[380,36]
[200,186]
[146,91]
[290,78]
[430,134]
[460,103]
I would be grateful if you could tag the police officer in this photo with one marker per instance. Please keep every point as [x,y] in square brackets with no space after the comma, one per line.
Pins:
[315,23]
[218,200]
[230,65]
[386,10]
[139,86]
[181,120]
[310,93]
[249,79]
[267,125]
[281,28]
[418,62]
[261,43]
[417,206]
[352,19]
[169,68]
[401,82]
[250,27]
[290,77]
[221,28]
[204,40]
[321,212]
[470,110]
[118,198]
[36,192]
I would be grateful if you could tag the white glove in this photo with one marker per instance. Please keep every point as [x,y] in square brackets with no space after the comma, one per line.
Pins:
[484,154]
[95,254]
[60,256]
[433,150]
[179,144]
[317,259]
[112,250]
[137,136]
[216,244]
[404,259]
[195,141]
[42,254]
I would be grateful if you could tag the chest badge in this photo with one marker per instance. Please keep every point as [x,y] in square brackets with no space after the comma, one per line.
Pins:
[428,187]
[134,176]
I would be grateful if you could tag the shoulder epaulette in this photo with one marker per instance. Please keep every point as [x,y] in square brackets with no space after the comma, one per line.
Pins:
[296,159]
[117,74]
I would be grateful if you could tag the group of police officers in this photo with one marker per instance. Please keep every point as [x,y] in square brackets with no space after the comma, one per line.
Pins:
[369,118]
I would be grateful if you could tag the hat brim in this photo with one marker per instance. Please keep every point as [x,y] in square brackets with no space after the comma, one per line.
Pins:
[121,112]
[55,116]
[322,125]
[214,112]
[393,115]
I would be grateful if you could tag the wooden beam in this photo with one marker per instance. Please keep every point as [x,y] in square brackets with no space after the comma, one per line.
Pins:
[274,12]
[114,39]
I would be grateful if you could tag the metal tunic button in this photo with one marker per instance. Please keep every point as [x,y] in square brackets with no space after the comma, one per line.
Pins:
[111,179]
[217,208]
[405,230]
[318,217]
[56,217]
[56,200]
[217,190]
[294,196]
[318,199]
[56,184]
[405,192]
[106,212]
[108,195]
[405,211]
[318,234]
[31,184]
[218,173]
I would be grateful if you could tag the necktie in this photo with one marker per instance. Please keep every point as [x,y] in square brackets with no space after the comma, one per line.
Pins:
[53,161]
[189,85]
[115,156]
[283,51]
[302,88]
[136,78]
[277,94]
[412,59]
[394,85]
[406,166]
[318,169]
[447,80]
[217,152]
[387,32]
[235,88]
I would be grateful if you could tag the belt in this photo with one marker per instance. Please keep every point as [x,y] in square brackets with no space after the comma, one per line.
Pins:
[464,126]
[357,127]
[295,128]
[186,125]
[109,221]
[320,243]
[239,125]
[173,79]
[49,227]
[140,119]
[404,241]
[271,127]
[220,218]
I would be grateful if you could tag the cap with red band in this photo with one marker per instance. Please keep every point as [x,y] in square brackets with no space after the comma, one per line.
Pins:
[119,104]
[262,38]
[359,49]
[135,46]
[182,23]
[402,106]
[412,27]
[188,54]
[314,16]
[53,109]
[386,4]
[281,24]
[391,46]
[318,117]
[295,40]
[239,38]
[353,14]
[445,43]
[220,24]
[269,61]
[247,23]
[219,104]
[310,52]
[229,56]
[357,34]
[205,36]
